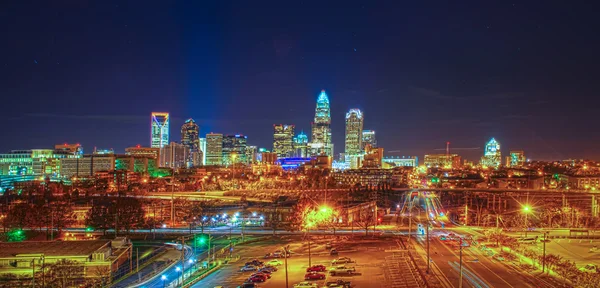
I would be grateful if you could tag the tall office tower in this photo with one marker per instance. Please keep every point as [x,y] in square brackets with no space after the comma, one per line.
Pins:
[189,138]
[491,154]
[368,137]
[251,154]
[174,155]
[283,144]
[159,135]
[234,149]
[354,129]
[203,149]
[214,149]
[301,145]
[321,130]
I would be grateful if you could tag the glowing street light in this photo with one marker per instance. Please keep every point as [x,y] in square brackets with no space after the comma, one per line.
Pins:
[526,211]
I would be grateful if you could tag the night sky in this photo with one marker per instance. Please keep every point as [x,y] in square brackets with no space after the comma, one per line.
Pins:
[422,72]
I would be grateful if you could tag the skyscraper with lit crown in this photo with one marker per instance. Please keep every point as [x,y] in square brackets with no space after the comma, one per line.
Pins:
[321,130]
[159,129]
[190,138]
[491,155]
[301,145]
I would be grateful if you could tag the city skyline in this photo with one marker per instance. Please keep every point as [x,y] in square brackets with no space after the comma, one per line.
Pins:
[505,79]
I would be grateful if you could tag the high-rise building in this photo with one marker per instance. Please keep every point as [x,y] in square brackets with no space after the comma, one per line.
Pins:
[354,131]
[234,149]
[190,138]
[301,145]
[368,137]
[174,155]
[138,150]
[516,159]
[214,149]
[283,144]
[491,154]
[203,149]
[321,130]
[34,162]
[159,135]
[251,154]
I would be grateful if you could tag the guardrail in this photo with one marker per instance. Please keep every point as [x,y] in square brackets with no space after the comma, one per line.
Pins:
[189,282]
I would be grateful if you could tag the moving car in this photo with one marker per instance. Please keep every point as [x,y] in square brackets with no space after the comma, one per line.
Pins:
[306,284]
[274,262]
[342,260]
[314,276]
[340,270]
[316,268]
[248,268]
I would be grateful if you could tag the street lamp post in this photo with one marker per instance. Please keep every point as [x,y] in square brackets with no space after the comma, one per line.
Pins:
[173,198]
[286,251]
[427,235]
[460,279]
[526,210]
[164,279]
[544,256]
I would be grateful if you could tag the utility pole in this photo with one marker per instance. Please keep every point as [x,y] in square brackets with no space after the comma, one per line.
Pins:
[309,256]
[427,235]
[285,250]
[173,198]
[466,214]
[544,256]
[460,279]
[182,258]
[409,218]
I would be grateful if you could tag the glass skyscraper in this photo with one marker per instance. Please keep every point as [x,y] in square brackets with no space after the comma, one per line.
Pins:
[159,135]
[190,138]
[354,129]
[321,130]
[283,144]
[214,149]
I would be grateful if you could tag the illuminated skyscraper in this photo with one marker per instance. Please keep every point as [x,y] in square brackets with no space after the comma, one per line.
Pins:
[214,149]
[174,155]
[203,149]
[251,154]
[189,138]
[491,155]
[368,137]
[283,144]
[159,135]
[516,159]
[301,145]
[321,130]
[354,129]
[234,149]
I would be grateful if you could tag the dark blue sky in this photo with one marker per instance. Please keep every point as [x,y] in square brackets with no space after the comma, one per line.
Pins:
[423,72]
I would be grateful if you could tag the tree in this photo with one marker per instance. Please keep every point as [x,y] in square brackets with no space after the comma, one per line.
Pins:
[100,216]
[365,219]
[64,272]
[130,213]
[17,216]
[62,215]
[299,213]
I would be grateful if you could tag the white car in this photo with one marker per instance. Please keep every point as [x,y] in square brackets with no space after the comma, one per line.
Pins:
[342,260]
[248,268]
[274,262]
[342,270]
[306,284]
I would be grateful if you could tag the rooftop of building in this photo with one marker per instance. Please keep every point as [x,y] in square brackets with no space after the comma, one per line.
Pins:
[51,248]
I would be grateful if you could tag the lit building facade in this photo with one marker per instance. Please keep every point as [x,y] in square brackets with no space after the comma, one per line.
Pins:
[75,149]
[34,162]
[87,165]
[491,154]
[203,149]
[251,154]
[301,145]
[190,138]
[354,129]
[283,144]
[143,151]
[174,155]
[446,161]
[214,149]
[368,137]
[159,126]
[516,159]
[391,162]
[321,130]
[234,149]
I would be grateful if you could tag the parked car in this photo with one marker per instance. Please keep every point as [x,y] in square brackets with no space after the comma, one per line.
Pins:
[342,260]
[248,285]
[267,275]
[316,268]
[339,270]
[306,284]
[328,245]
[257,278]
[314,276]
[248,268]
[269,268]
[339,283]
[255,262]
[274,262]
[333,251]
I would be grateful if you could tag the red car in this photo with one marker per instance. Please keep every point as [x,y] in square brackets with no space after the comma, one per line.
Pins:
[314,276]
[257,278]
[316,268]
[268,276]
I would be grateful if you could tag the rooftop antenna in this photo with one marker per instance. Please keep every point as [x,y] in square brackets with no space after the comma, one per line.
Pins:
[447,149]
